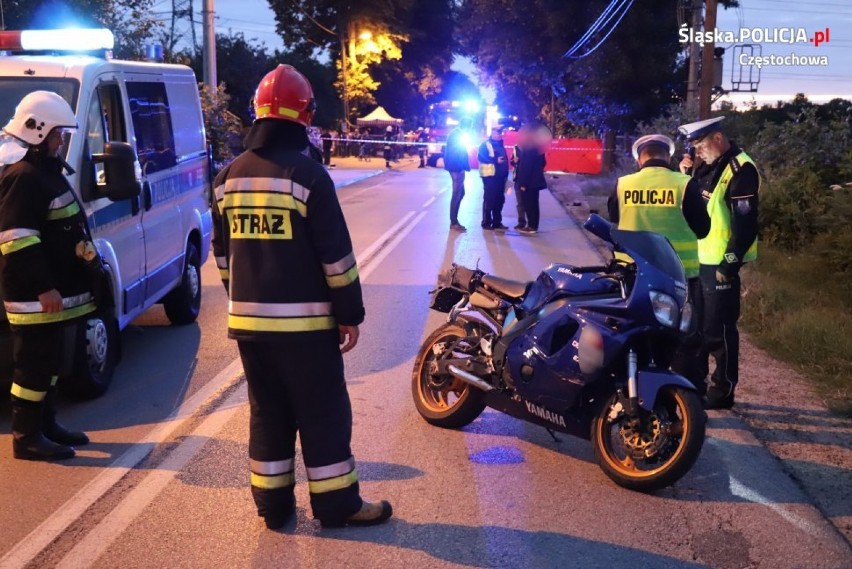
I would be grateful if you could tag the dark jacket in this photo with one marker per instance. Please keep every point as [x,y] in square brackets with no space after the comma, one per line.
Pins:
[41,224]
[484,157]
[281,241]
[456,157]
[529,173]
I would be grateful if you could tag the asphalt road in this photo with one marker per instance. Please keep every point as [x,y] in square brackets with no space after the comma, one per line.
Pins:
[165,483]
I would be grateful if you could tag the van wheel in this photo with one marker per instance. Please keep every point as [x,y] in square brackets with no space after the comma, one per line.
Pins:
[96,356]
[183,303]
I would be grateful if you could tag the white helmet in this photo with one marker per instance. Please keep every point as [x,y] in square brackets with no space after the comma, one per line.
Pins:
[37,114]
[658,139]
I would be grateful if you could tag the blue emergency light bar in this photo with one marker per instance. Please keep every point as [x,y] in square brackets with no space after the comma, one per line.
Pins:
[70,39]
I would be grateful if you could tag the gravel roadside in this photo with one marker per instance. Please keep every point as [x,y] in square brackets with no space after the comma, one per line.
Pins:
[782,410]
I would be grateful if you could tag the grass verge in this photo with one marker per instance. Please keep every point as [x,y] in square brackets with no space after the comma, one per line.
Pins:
[793,312]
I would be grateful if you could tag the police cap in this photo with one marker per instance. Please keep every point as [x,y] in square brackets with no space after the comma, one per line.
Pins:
[700,129]
[655,139]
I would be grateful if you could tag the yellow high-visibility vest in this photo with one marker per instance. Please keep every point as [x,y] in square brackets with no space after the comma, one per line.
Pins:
[652,200]
[711,249]
[488,169]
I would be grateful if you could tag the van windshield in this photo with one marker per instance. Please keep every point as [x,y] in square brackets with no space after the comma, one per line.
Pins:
[13,89]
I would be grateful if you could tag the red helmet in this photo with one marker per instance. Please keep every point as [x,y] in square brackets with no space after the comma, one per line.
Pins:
[284,93]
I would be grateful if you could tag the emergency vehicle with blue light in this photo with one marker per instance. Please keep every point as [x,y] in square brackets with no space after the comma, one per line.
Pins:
[142,175]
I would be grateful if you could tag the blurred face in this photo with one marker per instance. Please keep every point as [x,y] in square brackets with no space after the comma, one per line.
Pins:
[710,147]
[496,134]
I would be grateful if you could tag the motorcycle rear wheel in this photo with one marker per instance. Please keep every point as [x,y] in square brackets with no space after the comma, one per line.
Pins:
[443,400]
[659,450]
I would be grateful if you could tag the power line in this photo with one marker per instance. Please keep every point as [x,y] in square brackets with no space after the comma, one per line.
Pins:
[609,13]
[592,29]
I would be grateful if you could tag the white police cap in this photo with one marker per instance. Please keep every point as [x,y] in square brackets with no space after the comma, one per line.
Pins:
[658,139]
[700,129]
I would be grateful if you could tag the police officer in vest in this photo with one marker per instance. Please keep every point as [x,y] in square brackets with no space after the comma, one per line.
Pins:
[658,199]
[494,170]
[730,185]
[285,256]
[47,288]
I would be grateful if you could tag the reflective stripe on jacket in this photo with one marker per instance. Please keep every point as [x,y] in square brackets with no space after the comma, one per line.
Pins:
[41,224]
[711,249]
[282,248]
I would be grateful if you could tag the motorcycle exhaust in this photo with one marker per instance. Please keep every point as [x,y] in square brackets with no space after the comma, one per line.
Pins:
[468,377]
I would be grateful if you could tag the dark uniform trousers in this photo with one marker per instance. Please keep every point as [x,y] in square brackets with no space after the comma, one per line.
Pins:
[721,310]
[458,194]
[42,352]
[493,198]
[688,360]
[297,385]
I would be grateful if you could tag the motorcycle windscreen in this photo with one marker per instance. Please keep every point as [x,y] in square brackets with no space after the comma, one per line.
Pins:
[653,248]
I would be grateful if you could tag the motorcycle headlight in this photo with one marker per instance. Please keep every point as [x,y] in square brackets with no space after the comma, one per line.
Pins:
[665,308]
[686,317]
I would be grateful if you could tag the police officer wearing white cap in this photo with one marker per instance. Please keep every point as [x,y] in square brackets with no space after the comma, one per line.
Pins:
[730,185]
[658,199]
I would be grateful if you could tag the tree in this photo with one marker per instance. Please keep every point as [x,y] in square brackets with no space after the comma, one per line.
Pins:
[224,131]
[632,75]
[337,28]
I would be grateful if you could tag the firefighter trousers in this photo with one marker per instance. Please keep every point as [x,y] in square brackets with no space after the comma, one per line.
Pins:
[41,353]
[297,385]
[721,338]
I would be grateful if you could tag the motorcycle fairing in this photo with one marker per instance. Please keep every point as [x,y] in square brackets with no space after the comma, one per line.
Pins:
[561,280]
[650,382]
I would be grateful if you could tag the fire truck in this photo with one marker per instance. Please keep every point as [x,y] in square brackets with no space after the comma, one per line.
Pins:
[444,116]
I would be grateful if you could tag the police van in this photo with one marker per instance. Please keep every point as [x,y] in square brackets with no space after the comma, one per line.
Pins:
[142,176]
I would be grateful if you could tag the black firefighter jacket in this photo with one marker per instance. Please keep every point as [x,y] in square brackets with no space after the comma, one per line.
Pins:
[282,245]
[40,226]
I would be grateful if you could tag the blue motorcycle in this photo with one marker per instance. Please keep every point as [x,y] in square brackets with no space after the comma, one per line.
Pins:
[580,350]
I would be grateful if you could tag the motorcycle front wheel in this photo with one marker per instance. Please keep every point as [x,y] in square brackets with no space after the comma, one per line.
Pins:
[441,399]
[654,449]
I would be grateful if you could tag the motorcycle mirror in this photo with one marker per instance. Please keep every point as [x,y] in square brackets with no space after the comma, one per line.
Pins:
[599,227]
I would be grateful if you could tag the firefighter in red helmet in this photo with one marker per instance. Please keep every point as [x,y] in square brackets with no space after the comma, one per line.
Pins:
[276,208]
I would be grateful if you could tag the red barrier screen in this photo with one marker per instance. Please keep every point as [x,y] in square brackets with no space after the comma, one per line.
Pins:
[577,155]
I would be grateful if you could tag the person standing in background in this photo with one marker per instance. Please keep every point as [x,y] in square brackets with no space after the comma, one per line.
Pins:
[494,170]
[457,162]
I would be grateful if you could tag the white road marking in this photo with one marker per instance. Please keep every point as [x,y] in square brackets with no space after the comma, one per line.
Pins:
[429,201]
[366,257]
[27,549]
[377,260]
[743,491]
[99,539]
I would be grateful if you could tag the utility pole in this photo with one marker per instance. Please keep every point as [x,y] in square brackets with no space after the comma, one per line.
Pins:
[707,66]
[694,62]
[208,13]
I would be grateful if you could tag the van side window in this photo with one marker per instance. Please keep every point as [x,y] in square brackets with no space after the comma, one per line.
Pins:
[149,111]
[104,123]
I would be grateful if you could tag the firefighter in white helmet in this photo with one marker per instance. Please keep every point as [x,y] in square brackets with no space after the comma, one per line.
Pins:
[285,256]
[47,285]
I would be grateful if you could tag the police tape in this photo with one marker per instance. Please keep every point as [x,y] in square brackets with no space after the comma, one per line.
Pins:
[444,143]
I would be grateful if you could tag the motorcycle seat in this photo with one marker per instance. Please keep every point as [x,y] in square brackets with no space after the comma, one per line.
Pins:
[506,287]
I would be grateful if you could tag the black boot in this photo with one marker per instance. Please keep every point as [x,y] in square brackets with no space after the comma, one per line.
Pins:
[56,432]
[28,442]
